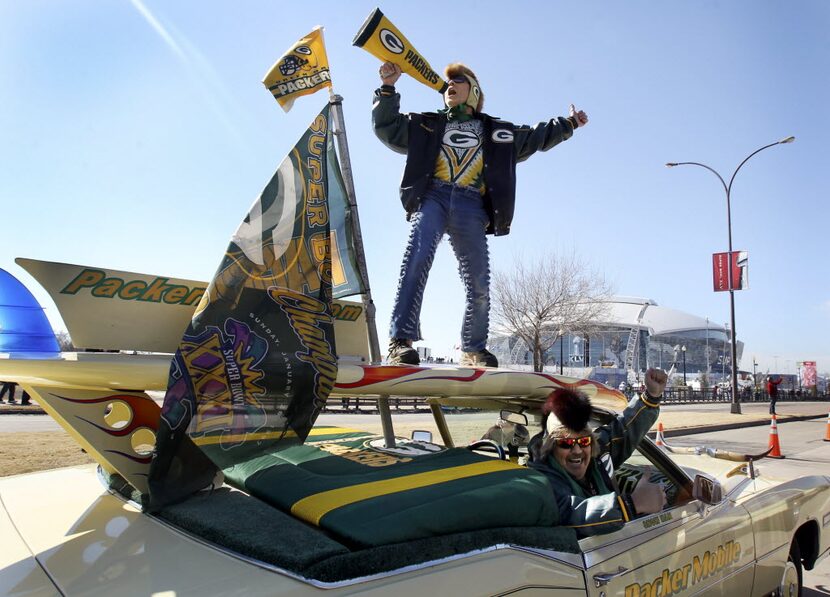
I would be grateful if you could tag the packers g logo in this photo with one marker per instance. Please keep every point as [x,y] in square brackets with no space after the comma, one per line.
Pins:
[502,136]
[461,139]
[391,41]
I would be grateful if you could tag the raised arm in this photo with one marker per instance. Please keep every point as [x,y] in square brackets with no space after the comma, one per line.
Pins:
[390,126]
[624,432]
[530,139]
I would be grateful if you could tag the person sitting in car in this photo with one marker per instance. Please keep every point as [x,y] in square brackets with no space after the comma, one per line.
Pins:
[579,462]
[508,435]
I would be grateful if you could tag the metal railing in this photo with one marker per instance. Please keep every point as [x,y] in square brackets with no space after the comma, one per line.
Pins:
[354,405]
[690,396]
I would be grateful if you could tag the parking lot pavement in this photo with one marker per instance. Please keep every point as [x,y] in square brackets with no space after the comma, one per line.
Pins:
[680,419]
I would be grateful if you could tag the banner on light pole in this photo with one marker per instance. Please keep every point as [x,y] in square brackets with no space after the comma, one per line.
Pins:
[740,271]
[808,374]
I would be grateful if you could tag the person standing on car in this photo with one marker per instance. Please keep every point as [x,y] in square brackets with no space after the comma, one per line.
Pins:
[459,179]
[772,390]
[579,462]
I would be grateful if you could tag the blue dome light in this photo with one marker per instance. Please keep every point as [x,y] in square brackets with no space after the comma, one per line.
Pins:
[24,329]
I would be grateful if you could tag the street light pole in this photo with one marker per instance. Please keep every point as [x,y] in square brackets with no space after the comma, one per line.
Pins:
[754,375]
[736,405]
[683,350]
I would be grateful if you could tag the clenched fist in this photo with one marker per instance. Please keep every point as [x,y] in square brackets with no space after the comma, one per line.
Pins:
[656,382]
[389,73]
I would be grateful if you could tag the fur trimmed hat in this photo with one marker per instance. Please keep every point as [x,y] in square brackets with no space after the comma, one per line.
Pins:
[567,408]
[476,98]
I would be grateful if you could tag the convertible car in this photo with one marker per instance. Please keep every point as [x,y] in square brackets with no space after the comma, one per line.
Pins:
[343,514]
[348,512]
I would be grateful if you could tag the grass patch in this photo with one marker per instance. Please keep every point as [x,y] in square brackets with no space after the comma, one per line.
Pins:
[28,452]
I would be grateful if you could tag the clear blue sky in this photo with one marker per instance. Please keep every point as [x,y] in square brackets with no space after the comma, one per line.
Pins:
[135,135]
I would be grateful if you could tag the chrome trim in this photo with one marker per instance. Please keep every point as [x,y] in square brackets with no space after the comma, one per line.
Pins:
[99,471]
[574,560]
[739,487]
[784,547]
[599,553]
[600,580]
[708,510]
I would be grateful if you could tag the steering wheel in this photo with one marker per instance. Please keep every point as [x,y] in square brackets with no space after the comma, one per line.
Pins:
[487,445]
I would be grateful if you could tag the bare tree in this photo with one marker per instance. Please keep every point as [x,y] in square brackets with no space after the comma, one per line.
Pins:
[64,341]
[542,300]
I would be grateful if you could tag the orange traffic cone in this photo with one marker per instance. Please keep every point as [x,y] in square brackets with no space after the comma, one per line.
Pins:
[660,440]
[773,440]
[827,433]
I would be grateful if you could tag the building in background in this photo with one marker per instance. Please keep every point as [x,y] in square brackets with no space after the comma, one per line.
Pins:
[638,334]
[424,353]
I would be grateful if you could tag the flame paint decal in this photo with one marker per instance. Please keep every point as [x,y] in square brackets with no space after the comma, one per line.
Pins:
[120,438]
[144,412]
[468,381]
[395,374]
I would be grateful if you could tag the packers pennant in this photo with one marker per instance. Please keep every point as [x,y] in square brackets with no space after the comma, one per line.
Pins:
[258,360]
[302,70]
[382,39]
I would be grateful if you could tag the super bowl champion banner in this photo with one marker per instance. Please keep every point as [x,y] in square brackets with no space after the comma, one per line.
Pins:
[302,70]
[258,360]
[345,274]
[382,39]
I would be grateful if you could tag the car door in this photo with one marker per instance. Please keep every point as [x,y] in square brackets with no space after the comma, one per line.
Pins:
[688,548]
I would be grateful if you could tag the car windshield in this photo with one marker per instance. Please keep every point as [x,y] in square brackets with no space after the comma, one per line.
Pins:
[469,426]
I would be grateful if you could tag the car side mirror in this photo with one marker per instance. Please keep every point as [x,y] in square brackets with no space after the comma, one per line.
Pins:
[419,435]
[707,490]
[512,417]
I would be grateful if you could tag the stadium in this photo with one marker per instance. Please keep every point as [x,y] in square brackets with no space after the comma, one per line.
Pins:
[638,334]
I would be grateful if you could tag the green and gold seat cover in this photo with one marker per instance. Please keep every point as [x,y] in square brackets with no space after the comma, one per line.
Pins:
[344,482]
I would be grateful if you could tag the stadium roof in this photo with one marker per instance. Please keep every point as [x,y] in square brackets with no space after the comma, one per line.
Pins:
[658,320]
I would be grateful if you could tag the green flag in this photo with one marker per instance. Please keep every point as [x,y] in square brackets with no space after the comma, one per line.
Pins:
[258,360]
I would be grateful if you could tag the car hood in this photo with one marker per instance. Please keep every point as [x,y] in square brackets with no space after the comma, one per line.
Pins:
[731,475]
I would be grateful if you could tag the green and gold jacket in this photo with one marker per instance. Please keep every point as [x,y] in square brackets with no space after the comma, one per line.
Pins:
[419,136]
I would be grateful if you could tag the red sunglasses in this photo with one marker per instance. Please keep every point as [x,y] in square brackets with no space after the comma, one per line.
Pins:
[567,443]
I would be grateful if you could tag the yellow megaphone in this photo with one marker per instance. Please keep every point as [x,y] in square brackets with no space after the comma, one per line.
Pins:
[382,39]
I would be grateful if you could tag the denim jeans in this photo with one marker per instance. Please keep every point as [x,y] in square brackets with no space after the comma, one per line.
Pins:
[460,213]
